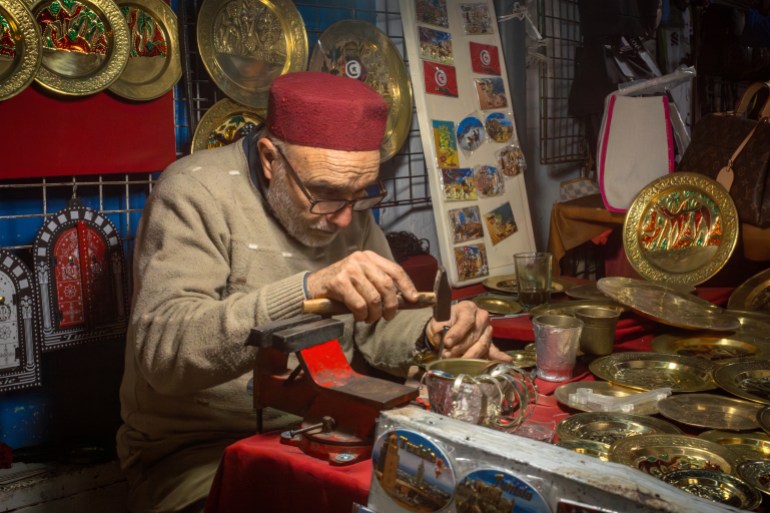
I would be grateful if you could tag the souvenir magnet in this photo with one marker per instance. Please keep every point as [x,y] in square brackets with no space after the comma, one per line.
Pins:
[488,181]
[470,134]
[491,93]
[459,184]
[435,45]
[500,223]
[510,160]
[440,79]
[446,145]
[499,127]
[471,261]
[485,59]
[476,18]
[489,489]
[432,12]
[466,224]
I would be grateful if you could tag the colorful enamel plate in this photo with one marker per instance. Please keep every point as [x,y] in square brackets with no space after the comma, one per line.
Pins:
[225,122]
[20,48]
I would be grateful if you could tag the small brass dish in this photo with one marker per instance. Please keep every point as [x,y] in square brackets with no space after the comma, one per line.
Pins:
[715,486]
[522,359]
[710,347]
[648,371]
[563,393]
[587,447]
[570,307]
[749,379]
[497,304]
[757,474]
[711,411]
[748,446]
[610,427]
[507,284]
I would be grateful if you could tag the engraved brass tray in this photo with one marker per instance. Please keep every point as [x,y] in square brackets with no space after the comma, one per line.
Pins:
[590,291]
[648,371]
[757,474]
[563,393]
[97,55]
[359,50]
[680,229]
[246,45]
[748,446]
[716,487]
[609,427]
[668,306]
[20,48]
[506,283]
[749,379]
[711,411]
[154,62]
[753,324]
[753,294]
[711,347]
[570,307]
[497,304]
[224,123]
[660,454]
[587,447]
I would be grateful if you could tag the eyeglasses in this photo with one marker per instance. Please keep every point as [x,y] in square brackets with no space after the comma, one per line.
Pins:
[374,195]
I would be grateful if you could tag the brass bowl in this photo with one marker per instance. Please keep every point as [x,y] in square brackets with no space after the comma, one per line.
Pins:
[456,366]
[716,487]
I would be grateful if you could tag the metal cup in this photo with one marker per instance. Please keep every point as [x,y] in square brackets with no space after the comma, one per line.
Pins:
[556,342]
[533,278]
[599,323]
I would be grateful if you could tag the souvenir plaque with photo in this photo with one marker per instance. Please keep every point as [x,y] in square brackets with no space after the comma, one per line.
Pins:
[445,143]
[489,181]
[491,93]
[467,224]
[485,59]
[510,160]
[500,223]
[432,12]
[440,79]
[470,133]
[490,489]
[477,18]
[436,45]
[471,261]
[459,184]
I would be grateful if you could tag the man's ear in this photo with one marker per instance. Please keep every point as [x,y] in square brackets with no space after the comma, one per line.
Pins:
[268,154]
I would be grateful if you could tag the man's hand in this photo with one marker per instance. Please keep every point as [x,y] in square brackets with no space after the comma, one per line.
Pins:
[469,334]
[366,282]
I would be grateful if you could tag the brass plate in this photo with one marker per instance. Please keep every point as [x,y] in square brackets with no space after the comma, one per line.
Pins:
[668,306]
[680,229]
[748,446]
[748,379]
[753,294]
[660,454]
[359,50]
[95,59]
[522,359]
[710,347]
[246,45]
[507,284]
[570,307]
[716,487]
[224,123]
[648,371]
[753,324]
[587,447]
[496,304]
[154,62]
[711,411]
[20,48]
[756,473]
[763,419]
[608,427]
[563,393]
[586,291]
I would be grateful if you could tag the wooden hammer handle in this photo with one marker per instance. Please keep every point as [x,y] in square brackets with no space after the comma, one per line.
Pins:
[323,306]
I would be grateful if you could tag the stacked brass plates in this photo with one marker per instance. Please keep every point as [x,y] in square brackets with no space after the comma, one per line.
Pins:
[90,55]
[648,371]
[359,50]
[753,324]
[564,394]
[587,447]
[763,418]
[753,294]
[660,454]
[506,283]
[711,411]
[20,48]
[246,45]
[225,122]
[715,487]
[756,473]
[154,62]
[748,446]
[681,228]
[497,304]
[570,307]
[608,428]
[710,347]
[748,379]
[666,305]
[586,291]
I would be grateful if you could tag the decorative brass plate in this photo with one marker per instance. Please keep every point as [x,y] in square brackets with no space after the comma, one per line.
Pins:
[359,50]
[710,411]
[522,359]
[660,454]
[507,284]
[85,45]
[748,446]
[716,487]
[246,44]
[587,447]
[681,228]
[586,291]
[748,379]
[664,304]
[496,304]
[753,324]
[154,62]
[20,48]
[648,371]
[570,307]
[763,418]
[710,347]
[563,393]
[757,474]
[225,122]
[608,427]
[753,294]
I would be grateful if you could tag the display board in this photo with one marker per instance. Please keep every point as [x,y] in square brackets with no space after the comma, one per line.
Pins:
[473,156]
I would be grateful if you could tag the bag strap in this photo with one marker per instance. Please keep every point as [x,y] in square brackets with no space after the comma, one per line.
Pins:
[749,95]
[726,176]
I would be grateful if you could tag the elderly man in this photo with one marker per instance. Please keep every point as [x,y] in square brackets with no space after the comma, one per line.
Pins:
[239,236]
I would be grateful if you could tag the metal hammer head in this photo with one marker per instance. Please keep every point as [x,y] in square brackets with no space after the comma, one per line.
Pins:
[442,308]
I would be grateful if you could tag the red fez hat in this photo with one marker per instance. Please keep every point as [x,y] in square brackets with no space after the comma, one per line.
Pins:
[311,108]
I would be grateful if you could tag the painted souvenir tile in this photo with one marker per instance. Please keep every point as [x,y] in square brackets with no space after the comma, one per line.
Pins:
[446,145]
[499,127]
[500,223]
[459,184]
[470,133]
[466,224]
[476,18]
[471,261]
[485,59]
[488,181]
[510,160]
[497,490]
[436,45]
[491,93]
[432,12]
[440,79]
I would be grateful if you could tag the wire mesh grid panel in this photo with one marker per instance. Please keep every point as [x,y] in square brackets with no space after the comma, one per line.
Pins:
[562,137]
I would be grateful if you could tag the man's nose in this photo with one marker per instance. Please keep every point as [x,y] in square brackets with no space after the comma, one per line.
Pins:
[342,218]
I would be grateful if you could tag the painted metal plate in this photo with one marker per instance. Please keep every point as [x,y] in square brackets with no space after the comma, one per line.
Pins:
[606,427]
[85,45]
[680,229]
[359,50]
[497,304]
[588,447]
[716,487]
[748,379]
[648,371]
[757,474]
[711,411]
[506,283]
[748,446]
[224,123]
[564,392]
[660,454]
[154,62]
[710,347]
[21,49]
[668,306]
[246,45]
[489,489]
[753,294]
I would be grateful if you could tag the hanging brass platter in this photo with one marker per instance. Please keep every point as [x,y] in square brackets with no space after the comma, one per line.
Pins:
[680,229]
[357,49]
[225,122]
[606,427]
[154,62]
[90,55]
[497,304]
[246,44]
[648,371]
[748,379]
[710,347]
[716,487]
[20,48]
[753,294]
[565,392]
[587,447]
[710,411]
[748,446]
[757,474]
